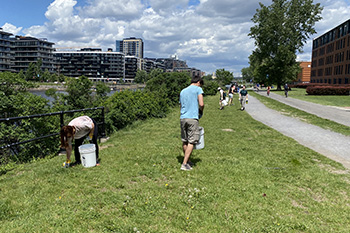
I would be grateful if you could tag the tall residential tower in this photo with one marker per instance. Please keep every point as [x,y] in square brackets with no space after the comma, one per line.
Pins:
[130,47]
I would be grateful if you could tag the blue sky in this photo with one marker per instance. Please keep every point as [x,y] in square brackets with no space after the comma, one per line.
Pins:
[208,34]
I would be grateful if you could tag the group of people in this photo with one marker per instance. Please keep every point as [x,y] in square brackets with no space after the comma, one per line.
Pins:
[191,110]
[243,96]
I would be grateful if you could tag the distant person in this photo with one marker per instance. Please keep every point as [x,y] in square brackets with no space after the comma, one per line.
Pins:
[192,106]
[222,98]
[286,89]
[243,97]
[78,129]
[268,90]
[230,94]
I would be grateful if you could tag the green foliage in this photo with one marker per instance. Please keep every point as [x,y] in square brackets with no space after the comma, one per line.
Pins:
[223,77]
[16,101]
[102,90]
[280,31]
[210,87]
[13,90]
[141,76]
[247,73]
[126,107]
[169,84]
[79,93]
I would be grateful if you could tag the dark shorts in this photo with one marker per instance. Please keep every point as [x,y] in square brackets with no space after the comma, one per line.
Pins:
[189,130]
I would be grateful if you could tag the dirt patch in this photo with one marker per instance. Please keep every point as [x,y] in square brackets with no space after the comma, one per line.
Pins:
[228,130]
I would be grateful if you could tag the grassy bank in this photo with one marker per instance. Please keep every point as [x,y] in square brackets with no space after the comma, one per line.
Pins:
[331,100]
[248,178]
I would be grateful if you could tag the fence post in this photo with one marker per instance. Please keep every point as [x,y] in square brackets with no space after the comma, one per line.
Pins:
[61,118]
[103,123]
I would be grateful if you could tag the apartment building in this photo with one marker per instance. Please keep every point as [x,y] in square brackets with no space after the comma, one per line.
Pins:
[5,51]
[92,63]
[28,50]
[331,56]
[130,47]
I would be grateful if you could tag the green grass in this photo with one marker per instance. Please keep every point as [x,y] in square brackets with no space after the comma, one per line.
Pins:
[332,100]
[301,115]
[248,178]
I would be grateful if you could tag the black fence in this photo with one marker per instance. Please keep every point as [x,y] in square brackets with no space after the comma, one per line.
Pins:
[16,122]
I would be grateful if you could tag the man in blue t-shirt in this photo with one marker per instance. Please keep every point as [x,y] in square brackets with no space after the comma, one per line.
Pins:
[192,105]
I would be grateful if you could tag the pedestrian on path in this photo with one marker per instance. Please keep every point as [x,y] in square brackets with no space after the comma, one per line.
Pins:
[286,89]
[192,105]
[268,90]
[243,97]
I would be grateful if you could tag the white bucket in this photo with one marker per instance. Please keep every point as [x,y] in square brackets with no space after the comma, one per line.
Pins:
[88,155]
[200,144]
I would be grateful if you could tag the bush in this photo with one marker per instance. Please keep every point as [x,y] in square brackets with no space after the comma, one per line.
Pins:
[328,90]
[210,87]
[169,84]
[123,108]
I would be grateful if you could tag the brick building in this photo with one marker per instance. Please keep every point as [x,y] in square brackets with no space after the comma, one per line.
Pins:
[331,56]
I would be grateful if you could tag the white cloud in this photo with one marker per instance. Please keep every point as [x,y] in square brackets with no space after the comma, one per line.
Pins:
[7,27]
[117,9]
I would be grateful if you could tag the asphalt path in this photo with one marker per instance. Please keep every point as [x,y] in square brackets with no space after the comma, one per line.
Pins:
[328,143]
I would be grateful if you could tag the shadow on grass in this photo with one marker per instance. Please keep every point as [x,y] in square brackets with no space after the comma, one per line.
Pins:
[194,160]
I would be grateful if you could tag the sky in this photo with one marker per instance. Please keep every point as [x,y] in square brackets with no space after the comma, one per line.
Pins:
[207,34]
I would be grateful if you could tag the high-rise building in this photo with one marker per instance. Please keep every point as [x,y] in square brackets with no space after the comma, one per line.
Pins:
[92,63]
[5,51]
[331,56]
[130,47]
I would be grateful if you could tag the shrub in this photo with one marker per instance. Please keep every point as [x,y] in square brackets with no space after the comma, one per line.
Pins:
[328,90]
[210,87]
[170,84]
[123,108]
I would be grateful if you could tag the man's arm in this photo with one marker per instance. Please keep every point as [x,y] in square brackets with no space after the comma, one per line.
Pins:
[200,102]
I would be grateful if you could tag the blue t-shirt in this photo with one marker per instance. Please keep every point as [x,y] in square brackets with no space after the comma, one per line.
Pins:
[189,102]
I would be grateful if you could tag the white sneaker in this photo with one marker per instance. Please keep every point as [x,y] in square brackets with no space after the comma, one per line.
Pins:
[185,167]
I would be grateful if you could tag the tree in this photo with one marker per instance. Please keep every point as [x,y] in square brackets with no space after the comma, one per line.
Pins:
[102,90]
[280,31]
[141,77]
[223,76]
[169,85]
[79,93]
[247,73]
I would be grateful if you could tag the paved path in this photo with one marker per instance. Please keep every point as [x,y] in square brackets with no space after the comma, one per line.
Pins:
[336,114]
[328,143]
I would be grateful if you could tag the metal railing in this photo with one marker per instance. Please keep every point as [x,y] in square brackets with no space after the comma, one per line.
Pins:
[102,131]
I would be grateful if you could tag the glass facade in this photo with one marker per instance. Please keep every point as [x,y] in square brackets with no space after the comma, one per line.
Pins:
[93,64]
[5,51]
